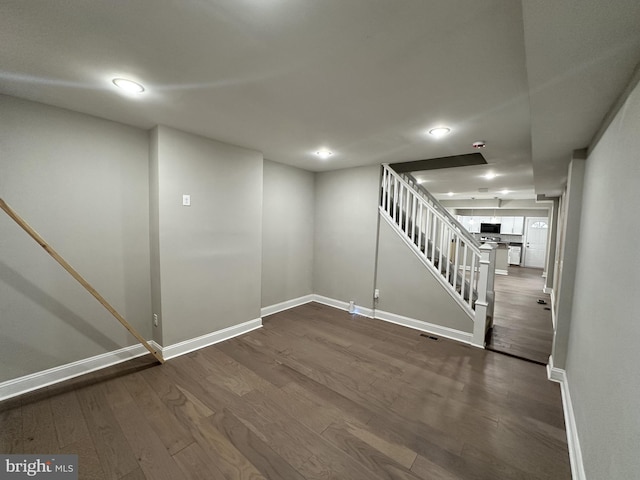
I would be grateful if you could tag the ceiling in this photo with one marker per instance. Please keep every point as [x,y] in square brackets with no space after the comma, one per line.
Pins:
[363,78]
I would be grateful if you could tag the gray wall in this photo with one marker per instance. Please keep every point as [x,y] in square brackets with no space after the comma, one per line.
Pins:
[288,233]
[81,182]
[210,252]
[346,232]
[407,288]
[603,356]
[564,295]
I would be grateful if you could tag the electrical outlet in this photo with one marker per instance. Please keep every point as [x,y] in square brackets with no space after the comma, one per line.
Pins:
[155,319]
[186,200]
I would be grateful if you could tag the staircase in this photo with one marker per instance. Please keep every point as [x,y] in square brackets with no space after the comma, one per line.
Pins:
[465,268]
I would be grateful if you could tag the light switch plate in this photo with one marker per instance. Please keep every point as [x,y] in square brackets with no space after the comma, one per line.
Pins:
[186,200]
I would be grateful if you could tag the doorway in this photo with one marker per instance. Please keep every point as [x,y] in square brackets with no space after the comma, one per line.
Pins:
[535,245]
[522,325]
[522,320]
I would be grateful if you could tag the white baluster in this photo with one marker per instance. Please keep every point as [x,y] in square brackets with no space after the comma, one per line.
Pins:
[420,241]
[456,251]
[395,200]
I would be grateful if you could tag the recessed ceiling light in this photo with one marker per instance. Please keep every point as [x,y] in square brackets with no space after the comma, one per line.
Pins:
[128,86]
[450,194]
[324,153]
[439,132]
[420,181]
[505,191]
[490,176]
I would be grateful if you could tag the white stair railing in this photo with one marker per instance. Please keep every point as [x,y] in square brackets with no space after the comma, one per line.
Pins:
[463,266]
[431,200]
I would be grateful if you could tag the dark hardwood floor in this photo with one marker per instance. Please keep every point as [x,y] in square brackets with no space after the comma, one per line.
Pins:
[316,393]
[521,326]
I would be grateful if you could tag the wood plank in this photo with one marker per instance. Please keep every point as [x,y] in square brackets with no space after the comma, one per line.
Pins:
[169,429]
[259,453]
[151,454]
[197,464]
[11,437]
[294,441]
[89,467]
[69,421]
[38,430]
[226,457]
[261,364]
[137,474]
[116,457]
[373,459]
[428,470]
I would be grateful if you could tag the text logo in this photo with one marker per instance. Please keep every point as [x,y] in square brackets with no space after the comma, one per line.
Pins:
[51,467]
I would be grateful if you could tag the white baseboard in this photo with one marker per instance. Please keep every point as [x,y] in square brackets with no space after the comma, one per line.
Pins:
[501,272]
[197,343]
[364,311]
[279,307]
[547,290]
[575,453]
[34,381]
[420,325]
[439,330]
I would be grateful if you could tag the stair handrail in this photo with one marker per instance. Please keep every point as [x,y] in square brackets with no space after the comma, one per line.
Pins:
[463,232]
[436,204]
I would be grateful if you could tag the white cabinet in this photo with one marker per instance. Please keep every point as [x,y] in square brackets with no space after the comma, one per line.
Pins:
[470,223]
[487,219]
[506,224]
[512,225]
[474,225]
[518,225]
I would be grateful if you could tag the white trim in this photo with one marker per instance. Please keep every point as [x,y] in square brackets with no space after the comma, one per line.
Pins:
[364,311]
[202,341]
[554,374]
[420,325]
[547,290]
[34,381]
[573,442]
[279,307]
[423,326]
[501,272]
